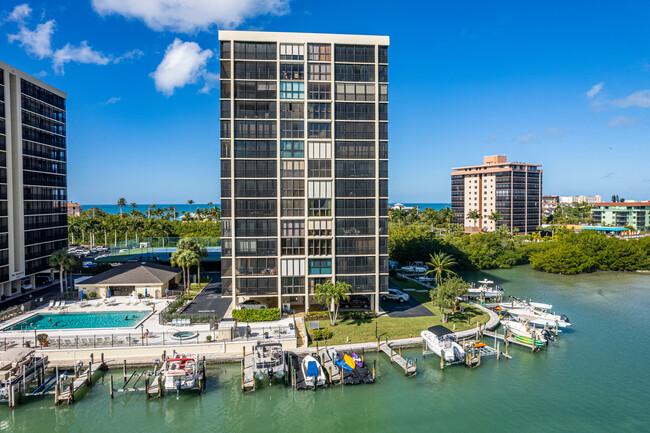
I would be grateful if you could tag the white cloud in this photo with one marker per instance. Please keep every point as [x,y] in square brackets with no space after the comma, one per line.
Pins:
[133,54]
[38,41]
[183,63]
[622,122]
[636,99]
[112,100]
[19,13]
[595,90]
[530,137]
[189,16]
[557,132]
[82,54]
[211,81]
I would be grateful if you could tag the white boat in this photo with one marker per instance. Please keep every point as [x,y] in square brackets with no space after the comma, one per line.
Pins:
[442,344]
[312,371]
[181,372]
[540,318]
[485,290]
[518,303]
[269,361]
[524,332]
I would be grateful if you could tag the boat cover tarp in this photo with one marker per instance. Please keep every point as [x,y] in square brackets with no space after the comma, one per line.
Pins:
[312,368]
[440,330]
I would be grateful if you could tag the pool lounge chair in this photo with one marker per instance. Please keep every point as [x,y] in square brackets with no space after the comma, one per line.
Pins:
[49,307]
[57,305]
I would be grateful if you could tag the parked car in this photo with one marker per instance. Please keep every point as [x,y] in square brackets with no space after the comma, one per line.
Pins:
[89,265]
[43,279]
[25,284]
[356,302]
[395,295]
[102,249]
[251,304]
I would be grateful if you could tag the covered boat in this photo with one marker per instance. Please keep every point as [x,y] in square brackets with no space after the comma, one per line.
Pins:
[441,341]
[181,372]
[269,361]
[312,372]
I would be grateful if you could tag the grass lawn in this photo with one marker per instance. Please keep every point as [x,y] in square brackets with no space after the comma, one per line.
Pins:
[361,331]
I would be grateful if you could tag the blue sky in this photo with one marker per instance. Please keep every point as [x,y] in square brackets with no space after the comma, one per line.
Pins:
[562,84]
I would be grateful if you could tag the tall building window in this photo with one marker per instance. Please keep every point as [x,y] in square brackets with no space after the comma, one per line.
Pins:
[292,90]
[293,246]
[319,52]
[320,207]
[320,228]
[292,52]
[292,149]
[292,71]
[320,266]
[319,72]
[319,130]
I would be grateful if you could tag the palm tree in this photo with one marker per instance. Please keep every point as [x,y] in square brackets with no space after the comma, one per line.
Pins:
[151,207]
[440,264]
[64,261]
[447,215]
[495,216]
[474,215]
[332,294]
[190,202]
[121,203]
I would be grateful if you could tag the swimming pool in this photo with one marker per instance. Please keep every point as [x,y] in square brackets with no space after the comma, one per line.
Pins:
[113,319]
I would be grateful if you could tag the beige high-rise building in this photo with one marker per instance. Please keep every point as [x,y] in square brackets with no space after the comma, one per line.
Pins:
[513,189]
[33,185]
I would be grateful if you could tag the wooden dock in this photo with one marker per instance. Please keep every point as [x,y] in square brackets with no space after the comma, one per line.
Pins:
[247,375]
[66,396]
[409,366]
[333,370]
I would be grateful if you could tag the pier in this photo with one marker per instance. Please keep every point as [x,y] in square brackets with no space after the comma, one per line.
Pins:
[332,370]
[247,374]
[66,396]
[409,366]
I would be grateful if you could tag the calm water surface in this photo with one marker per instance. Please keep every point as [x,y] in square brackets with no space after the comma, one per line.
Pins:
[594,378]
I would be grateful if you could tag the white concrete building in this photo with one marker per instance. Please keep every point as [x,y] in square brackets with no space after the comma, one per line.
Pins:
[33,186]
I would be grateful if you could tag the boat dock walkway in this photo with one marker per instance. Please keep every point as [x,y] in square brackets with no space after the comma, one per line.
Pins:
[409,366]
[332,370]
[66,396]
[247,374]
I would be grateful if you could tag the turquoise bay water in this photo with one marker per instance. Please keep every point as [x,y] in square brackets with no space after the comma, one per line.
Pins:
[593,378]
[114,319]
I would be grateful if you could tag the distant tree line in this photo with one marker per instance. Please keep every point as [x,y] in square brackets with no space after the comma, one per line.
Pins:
[412,238]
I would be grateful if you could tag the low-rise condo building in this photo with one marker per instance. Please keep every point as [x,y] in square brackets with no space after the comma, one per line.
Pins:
[33,186]
[633,214]
[512,190]
[589,199]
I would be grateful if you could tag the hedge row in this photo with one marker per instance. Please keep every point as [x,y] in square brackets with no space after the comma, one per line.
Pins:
[343,315]
[256,315]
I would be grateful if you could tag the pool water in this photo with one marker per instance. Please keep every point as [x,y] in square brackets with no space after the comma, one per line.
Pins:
[113,319]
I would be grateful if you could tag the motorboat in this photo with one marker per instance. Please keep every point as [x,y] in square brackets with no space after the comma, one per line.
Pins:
[181,372]
[517,303]
[540,318]
[524,332]
[485,290]
[312,372]
[440,341]
[269,361]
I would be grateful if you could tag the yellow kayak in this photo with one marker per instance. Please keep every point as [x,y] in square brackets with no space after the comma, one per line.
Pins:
[349,361]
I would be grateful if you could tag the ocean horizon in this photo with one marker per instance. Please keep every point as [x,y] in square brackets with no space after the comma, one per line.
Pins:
[180,208]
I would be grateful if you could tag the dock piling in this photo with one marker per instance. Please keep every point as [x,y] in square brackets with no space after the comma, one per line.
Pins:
[111,386]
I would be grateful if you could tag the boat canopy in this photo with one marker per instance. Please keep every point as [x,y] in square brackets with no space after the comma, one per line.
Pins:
[486,282]
[440,330]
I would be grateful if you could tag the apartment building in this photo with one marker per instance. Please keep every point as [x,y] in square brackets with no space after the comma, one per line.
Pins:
[33,213]
[513,189]
[633,214]
[304,165]
[570,199]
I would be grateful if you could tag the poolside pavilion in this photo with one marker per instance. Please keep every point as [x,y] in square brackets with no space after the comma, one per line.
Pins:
[145,279]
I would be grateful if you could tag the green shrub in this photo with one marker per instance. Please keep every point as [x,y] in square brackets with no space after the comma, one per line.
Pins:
[92,294]
[357,315]
[256,315]
[321,334]
[317,315]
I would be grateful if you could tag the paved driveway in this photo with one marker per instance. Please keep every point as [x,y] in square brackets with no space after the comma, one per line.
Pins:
[412,308]
[209,301]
